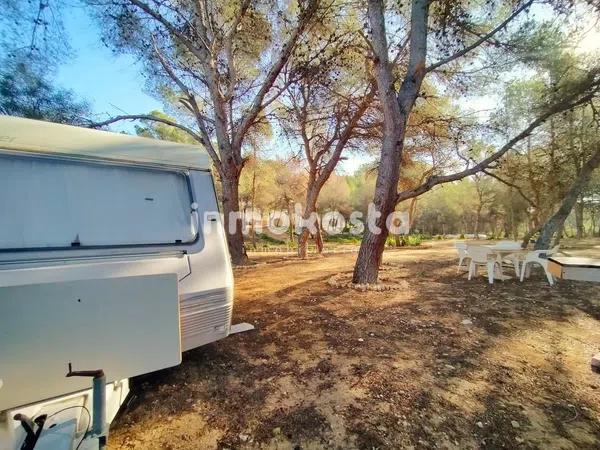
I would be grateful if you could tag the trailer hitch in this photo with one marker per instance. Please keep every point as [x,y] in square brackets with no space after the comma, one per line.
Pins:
[99,402]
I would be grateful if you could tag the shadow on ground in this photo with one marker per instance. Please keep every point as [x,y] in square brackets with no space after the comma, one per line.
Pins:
[446,363]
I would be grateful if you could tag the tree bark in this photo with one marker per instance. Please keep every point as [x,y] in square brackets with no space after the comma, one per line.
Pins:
[232,220]
[412,212]
[252,200]
[303,243]
[310,208]
[556,222]
[579,217]
[319,239]
[396,110]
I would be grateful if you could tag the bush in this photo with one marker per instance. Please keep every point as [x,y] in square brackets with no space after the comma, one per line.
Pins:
[411,240]
[414,240]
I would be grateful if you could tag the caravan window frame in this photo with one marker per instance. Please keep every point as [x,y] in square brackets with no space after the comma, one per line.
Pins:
[71,159]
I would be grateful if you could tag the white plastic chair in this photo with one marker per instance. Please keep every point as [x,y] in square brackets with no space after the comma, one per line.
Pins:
[536,257]
[513,260]
[463,254]
[483,256]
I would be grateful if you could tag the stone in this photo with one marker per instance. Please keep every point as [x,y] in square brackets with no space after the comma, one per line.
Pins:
[480,424]
[515,424]
[467,322]
[361,340]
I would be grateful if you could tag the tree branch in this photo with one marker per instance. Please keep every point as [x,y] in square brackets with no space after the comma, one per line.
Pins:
[481,40]
[432,181]
[169,26]
[286,50]
[512,185]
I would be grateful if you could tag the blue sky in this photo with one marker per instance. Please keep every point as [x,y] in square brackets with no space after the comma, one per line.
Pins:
[112,83]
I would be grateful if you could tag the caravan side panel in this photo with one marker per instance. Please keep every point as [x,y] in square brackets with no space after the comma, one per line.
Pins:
[206,295]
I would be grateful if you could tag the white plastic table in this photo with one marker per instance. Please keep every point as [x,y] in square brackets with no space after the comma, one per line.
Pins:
[500,253]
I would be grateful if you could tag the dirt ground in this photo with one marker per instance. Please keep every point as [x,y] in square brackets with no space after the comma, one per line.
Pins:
[442,363]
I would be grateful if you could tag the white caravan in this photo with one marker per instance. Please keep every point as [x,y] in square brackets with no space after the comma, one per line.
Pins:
[113,261]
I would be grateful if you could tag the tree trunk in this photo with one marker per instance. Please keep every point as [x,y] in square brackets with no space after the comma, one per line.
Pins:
[319,239]
[291,226]
[252,200]
[396,110]
[303,243]
[310,208]
[397,240]
[232,220]
[477,220]
[579,217]
[556,222]
[412,212]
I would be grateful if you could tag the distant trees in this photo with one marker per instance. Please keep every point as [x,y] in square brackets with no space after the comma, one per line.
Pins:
[547,164]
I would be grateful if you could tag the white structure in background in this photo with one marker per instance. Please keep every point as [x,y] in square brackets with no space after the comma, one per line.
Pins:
[113,257]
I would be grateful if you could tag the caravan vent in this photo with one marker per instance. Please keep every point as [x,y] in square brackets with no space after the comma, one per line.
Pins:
[205,317]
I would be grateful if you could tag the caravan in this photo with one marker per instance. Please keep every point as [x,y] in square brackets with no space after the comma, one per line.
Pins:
[113,261]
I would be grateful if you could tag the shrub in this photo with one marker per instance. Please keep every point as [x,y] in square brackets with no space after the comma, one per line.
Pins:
[414,240]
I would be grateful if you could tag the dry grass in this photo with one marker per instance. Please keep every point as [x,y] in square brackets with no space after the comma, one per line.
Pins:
[331,367]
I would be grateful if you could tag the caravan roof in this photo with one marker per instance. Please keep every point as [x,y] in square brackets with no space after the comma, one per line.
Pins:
[50,138]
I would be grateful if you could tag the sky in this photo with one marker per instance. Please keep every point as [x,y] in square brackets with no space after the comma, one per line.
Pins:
[113,84]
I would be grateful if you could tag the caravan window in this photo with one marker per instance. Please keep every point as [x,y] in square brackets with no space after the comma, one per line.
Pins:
[58,203]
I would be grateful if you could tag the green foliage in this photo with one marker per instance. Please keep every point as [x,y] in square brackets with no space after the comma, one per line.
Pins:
[264,239]
[411,240]
[158,130]
[26,93]
[342,238]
